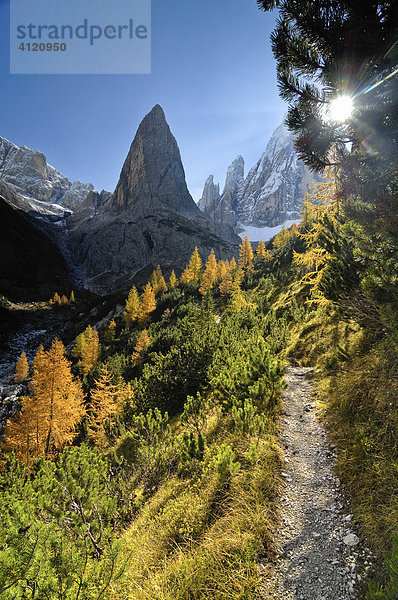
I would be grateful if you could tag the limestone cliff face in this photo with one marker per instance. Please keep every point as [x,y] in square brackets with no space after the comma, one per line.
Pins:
[150,219]
[210,197]
[28,173]
[275,187]
[272,192]
[153,175]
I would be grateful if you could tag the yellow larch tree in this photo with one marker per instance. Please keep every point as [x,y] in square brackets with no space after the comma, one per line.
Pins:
[222,268]
[91,351]
[321,201]
[193,271]
[245,252]
[226,284]
[154,279]
[143,342]
[78,349]
[132,309]
[26,433]
[21,369]
[109,335]
[210,274]
[284,236]
[49,417]
[104,404]
[148,304]
[232,264]
[64,299]
[173,280]
[162,285]
[157,281]
[261,250]
[57,299]
[72,296]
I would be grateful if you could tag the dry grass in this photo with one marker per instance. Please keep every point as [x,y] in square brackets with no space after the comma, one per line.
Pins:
[202,537]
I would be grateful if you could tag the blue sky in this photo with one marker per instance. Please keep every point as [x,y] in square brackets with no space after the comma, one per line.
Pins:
[212,72]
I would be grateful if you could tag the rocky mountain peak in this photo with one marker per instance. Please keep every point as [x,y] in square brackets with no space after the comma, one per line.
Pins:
[26,170]
[235,175]
[152,175]
[210,197]
[271,194]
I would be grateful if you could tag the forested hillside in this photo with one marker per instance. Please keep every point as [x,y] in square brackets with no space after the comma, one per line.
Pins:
[147,462]
[144,460]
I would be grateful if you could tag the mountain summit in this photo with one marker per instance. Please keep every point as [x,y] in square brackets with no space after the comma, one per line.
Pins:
[150,219]
[153,173]
[107,239]
[272,193]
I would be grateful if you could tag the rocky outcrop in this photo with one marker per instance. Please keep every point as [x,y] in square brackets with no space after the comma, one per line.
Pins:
[26,170]
[106,239]
[275,187]
[235,176]
[210,197]
[219,207]
[150,219]
[271,194]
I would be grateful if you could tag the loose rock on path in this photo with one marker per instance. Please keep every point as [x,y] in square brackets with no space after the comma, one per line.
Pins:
[321,557]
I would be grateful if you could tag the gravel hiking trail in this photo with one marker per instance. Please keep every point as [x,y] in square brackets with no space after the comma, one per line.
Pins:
[320,555]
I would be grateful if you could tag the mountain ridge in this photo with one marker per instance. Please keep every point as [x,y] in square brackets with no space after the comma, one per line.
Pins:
[271,193]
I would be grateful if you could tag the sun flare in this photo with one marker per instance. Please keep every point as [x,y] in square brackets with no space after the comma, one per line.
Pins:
[340,109]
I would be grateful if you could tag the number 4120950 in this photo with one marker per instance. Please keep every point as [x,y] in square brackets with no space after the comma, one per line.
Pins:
[42,47]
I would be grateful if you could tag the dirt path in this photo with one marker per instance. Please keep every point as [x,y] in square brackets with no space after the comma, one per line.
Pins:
[321,557]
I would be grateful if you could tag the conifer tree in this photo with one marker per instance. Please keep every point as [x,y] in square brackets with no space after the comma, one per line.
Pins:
[194,269]
[162,285]
[222,268]
[245,252]
[49,418]
[321,202]
[57,299]
[173,280]
[154,279]
[64,299]
[103,405]
[78,349]
[232,264]
[72,296]
[261,249]
[132,310]
[91,351]
[21,369]
[226,284]
[210,274]
[312,54]
[143,342]
[110,332]
[281,238]
[148,304]
[25,434]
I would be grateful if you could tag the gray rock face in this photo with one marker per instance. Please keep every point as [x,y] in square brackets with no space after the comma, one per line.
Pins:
[153,175]
[150,219]
[275,187]
[27,171]
[220,207]
[235,176]
[210,197]
[273,191]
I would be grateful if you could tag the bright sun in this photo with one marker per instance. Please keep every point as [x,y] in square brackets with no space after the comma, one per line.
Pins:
[340,109]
